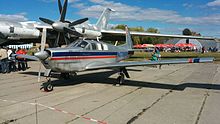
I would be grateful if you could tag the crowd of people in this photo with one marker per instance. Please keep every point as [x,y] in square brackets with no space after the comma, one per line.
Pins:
[9,62]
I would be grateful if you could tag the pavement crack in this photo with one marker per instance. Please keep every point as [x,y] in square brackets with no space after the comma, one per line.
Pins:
[105,104]
[202,107]
[9,121]
[147,108]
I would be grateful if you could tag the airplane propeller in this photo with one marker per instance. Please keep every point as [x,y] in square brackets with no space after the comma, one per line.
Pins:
[63,26]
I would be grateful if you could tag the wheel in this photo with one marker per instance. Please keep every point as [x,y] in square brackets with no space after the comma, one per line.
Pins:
[121,78]
[48,87]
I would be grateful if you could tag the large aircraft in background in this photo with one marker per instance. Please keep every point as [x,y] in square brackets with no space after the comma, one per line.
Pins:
[95,31]
[10,30]
[63,30]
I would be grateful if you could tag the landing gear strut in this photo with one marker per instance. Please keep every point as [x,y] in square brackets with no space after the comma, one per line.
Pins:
[121,78]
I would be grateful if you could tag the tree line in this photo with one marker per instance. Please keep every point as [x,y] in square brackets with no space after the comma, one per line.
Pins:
[151,39]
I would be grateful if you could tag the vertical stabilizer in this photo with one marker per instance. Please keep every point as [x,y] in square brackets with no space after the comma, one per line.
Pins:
[129,42]
[103,19]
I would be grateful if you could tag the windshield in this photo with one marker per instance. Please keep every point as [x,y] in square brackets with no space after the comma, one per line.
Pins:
[78,43]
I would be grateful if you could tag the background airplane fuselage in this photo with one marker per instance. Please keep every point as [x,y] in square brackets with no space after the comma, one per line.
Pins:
[19,33]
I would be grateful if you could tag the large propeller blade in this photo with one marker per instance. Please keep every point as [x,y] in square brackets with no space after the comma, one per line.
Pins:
[63,13]
[48,21]
[60,6]
[78,22]
[57,39]
[71,31]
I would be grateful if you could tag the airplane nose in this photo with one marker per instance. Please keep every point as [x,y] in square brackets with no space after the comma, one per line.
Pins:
[42,55]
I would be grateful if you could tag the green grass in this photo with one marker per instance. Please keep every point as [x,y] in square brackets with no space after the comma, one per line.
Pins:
[168,55]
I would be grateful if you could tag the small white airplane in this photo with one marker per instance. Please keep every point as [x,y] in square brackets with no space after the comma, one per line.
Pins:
[83,55]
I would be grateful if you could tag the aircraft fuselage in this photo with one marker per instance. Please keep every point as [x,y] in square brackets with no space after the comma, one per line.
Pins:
[19,32]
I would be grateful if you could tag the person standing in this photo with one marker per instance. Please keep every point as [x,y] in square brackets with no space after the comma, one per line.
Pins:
[4,60]
[21,63]
[10,62]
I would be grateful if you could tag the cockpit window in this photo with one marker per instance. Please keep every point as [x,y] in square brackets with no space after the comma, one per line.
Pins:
[78,43]
[83,44]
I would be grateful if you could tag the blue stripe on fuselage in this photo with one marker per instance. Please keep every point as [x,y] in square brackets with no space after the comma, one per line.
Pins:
[58,54]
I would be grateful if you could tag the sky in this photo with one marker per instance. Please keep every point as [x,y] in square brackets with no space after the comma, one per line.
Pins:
[170,17]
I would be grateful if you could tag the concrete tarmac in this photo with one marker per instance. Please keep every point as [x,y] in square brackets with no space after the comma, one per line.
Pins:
[176,94]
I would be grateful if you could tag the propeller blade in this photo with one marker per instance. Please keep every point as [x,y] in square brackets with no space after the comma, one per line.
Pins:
[2,35]
[72,32]
[78,22]
[60,6]
[48,21]
[43,39]
[57,40]
[67,40]
[63,13]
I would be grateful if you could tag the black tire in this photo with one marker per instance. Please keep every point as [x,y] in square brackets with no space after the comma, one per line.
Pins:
[48,87]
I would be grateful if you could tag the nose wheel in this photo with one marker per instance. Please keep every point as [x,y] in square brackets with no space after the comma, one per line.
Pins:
[48,86]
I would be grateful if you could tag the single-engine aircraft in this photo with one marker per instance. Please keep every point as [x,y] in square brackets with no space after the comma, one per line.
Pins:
[83,55]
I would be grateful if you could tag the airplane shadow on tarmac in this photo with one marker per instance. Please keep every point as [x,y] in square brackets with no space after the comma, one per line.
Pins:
[104,78]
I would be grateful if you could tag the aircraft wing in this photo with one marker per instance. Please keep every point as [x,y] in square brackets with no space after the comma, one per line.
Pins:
[121,32]
[26,57]
[146,63]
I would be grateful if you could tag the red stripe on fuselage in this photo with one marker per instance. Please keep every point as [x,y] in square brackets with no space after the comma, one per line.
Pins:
[82,57]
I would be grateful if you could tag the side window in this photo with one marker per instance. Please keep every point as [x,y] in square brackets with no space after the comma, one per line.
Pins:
[99,46]
[88,47]
[94,46]
[105,47]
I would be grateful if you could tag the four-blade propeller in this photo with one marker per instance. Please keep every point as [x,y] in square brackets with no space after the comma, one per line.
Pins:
[63,27]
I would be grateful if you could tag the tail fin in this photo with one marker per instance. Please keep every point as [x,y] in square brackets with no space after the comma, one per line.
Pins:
[129,43]
[103,19]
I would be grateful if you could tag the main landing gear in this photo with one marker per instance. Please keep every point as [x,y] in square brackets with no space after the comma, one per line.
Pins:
[121,78]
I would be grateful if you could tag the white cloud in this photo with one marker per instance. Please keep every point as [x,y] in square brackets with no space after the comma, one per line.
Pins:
[214,3]
[16,17]
[135,13]
[187,5]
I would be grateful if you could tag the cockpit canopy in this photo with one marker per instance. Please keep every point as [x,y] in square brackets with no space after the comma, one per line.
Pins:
[88,45]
